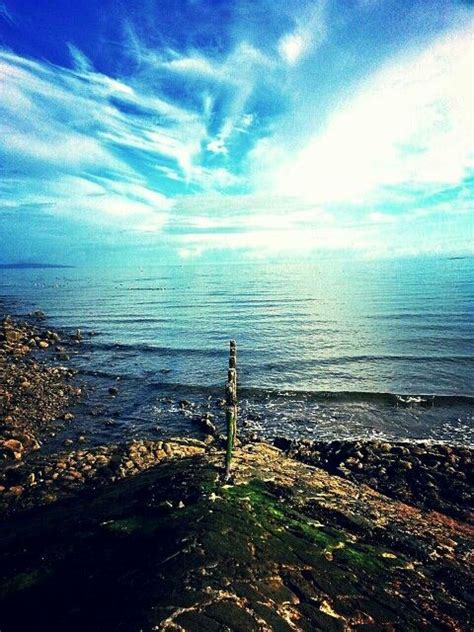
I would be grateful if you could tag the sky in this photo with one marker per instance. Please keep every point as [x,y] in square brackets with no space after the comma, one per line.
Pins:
[227,130]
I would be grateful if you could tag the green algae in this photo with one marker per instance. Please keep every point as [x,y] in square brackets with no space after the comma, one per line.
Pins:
[170,539]
[127,526]
[291,526]
[23,581]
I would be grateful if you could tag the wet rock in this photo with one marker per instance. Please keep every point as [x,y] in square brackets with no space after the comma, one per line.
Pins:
[206,423]
[16,490]
[13,444]
[184,404]
[282,443]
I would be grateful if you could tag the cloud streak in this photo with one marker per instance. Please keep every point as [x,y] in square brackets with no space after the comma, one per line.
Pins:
[252,145]
[408,126]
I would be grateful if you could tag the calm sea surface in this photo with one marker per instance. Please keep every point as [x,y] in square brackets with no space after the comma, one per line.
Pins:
[324,350]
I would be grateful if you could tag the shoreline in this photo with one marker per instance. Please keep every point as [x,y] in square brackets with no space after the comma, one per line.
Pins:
[38,390]
[142,535]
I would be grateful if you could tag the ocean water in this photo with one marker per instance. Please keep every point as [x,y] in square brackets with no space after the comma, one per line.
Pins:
[325,350]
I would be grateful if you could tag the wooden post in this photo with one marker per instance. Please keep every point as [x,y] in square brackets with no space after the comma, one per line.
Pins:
[231,406]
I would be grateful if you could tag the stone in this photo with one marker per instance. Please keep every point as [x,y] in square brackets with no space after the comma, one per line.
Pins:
[13,444]
[74,474]
[16,490]
[43,344]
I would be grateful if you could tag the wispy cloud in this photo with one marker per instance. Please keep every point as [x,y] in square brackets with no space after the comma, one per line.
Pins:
[74,139]
[309,34]
[409,126]
[6,14]
[252,144]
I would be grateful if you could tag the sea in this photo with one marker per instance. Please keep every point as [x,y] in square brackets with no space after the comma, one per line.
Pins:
[327,350]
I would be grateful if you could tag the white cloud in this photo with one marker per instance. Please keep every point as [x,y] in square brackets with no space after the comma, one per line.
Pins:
[113,153]
[408,125]
[61,126]
[217,146]
[230,82]
[382,218]
[80,61]
[291,47]
[310,33]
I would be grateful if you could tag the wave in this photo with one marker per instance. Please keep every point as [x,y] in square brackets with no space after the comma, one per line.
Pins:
[165,351]
[365,397]
[275,365]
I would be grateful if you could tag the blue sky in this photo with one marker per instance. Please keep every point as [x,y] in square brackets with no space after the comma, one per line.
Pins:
[191,130]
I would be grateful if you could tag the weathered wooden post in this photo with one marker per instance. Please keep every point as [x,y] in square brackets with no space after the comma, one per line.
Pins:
[231,406]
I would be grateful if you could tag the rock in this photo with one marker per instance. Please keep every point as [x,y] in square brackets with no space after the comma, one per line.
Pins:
[17,490]
[206,424]
[43,344]
[74,474]
[113,390]
[28,440]
[399,450]
[68,416]
[282,443]
[68,441]
[13,444]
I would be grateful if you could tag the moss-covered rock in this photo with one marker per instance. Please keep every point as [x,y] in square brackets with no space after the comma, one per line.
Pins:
[172,548]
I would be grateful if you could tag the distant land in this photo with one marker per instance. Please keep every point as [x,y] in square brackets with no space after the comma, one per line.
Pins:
[25,266]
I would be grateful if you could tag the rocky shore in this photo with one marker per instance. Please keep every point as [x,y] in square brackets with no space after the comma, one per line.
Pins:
[34,391]
[430,475]
[285,547]
[142,535]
